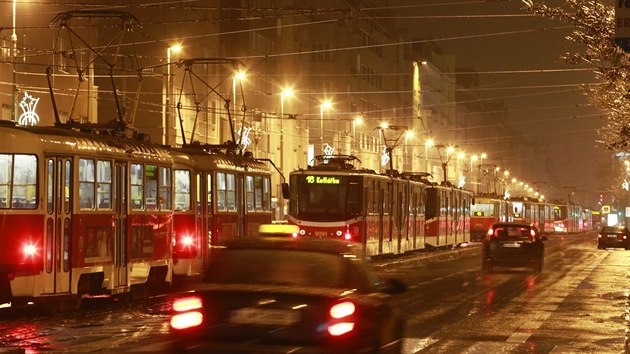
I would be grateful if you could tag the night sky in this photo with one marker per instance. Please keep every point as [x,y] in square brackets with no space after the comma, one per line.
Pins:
[548,108]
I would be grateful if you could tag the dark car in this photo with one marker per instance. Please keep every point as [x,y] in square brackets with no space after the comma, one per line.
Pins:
[613,236]
[513,244]
[288,295]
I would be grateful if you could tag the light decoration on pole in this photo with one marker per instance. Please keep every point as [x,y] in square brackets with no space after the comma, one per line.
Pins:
[243,133]
[328,150]
[384,156]
[28,105]
[461,181]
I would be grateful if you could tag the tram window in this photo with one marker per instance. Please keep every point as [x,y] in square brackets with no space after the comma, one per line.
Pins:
[266,195]
[165,188]
[86,184]
[258,190]
[209,195]
[249,185]
[231,192]
[24,191]
[198,194]
[137,186]
[66,186]
[182,190]
[104,184]
[50,187]
[6,167]
[221,192]
[150,187]
[354,197]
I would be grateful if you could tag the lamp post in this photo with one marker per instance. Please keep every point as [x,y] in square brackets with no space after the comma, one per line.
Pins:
[238,76]
[166,102]
[427,145]
[324,105]
[473,158]
[355,121]
[13,59]
[287,92]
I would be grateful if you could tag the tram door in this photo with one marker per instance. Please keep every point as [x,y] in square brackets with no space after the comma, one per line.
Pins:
[58,243]
[120,233]
[209,212]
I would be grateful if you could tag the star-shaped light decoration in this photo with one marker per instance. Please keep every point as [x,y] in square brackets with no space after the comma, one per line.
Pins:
[28,105]
[244,136]
[384,157]
[328,150]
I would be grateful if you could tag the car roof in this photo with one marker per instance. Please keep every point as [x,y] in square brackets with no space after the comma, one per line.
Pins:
[518,224]
[308,244]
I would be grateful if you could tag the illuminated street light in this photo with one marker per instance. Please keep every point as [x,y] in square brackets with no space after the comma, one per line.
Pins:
[238,76]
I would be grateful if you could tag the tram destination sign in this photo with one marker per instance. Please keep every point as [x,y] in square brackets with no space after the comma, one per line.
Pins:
[323,180]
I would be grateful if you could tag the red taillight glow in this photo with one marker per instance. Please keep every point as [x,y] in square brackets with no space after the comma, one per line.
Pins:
[348,236]
[625,237]
[294,235]
[187,304]
[340,328]
[187,241]
[29,250]
[599,235]
[343,309]
[186,320]
[490,232]
[532,232]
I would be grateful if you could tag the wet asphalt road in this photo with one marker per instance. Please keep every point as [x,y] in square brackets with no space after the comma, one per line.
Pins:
[579,304]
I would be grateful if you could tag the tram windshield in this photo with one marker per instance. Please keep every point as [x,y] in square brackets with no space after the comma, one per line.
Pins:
[483,209]
[325,198]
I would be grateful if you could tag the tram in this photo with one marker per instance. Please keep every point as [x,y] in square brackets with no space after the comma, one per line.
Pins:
[485,211]
[336,198]
[218,196]
[567,217]
[87,212]
[447,215]
[81,213]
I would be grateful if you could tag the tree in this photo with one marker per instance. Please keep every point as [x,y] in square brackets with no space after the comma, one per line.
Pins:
[595,29]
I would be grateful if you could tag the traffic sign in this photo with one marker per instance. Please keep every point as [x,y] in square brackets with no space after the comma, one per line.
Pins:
[622,24]
[605,209]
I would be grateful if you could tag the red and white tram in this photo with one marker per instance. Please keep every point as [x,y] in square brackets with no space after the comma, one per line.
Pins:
[485,211]
[567,217]
[218,196]
[81,214]
[338,200]
[447,215]
[525,210]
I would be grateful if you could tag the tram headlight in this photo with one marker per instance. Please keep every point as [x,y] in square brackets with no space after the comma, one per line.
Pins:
[338,233]
[302,232]
[187,241]
[348,236]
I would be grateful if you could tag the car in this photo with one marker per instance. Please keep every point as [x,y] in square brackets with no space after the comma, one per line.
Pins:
[285,294]
[513,244]
[613,236]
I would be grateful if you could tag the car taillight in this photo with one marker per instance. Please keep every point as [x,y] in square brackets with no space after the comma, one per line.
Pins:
[187,316]
[342,320]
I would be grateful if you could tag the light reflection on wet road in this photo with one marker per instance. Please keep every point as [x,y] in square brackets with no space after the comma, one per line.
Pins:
[578,304]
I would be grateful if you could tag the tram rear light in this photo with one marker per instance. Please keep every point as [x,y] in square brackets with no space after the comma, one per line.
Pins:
[29,250]
[187,241]
[295,234]
[348,236]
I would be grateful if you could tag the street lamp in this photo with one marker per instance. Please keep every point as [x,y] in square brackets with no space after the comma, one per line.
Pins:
[287,92]
[473,158]
[326,104]
[166,108]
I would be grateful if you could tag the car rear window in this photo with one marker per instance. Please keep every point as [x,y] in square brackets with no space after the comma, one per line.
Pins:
[511,231]
[280,267]
[612,230]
